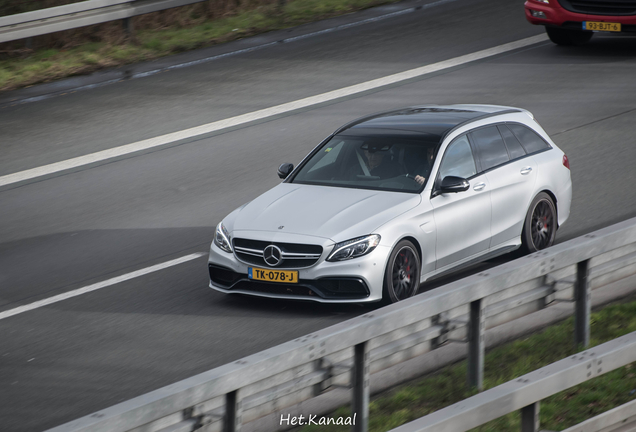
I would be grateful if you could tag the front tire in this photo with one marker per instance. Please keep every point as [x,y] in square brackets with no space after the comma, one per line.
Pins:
[567,37]
[539,228]
[402,274]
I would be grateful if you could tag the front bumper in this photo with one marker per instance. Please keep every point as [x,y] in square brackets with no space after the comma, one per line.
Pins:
[352,281]
[557,16]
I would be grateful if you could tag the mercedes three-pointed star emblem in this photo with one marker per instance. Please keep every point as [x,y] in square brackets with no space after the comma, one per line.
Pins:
[272,255]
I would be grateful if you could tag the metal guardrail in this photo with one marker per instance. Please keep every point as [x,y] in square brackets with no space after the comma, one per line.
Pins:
[526,392]
[621,418]
[76,15]
[347,353]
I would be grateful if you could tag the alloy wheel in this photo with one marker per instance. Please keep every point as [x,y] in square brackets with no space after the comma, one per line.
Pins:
[542,225]
[403,273]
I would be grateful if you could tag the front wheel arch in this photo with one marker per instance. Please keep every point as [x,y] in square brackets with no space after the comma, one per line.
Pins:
[418,248]
[415,242]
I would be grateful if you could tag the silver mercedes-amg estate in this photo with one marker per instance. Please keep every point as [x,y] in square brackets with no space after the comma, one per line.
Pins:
[394,199]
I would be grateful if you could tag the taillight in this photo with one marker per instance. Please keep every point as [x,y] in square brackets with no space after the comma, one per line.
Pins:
[566,162]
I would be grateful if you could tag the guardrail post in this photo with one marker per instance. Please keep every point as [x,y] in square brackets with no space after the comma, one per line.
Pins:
[127,24]
[530,418]
[476,345]
[360,384]
[583,308]
[233,412]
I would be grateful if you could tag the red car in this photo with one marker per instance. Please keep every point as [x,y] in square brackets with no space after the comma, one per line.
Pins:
[573,22]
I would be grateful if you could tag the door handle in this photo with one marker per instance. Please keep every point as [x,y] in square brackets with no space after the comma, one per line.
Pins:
[526,170]
[479,186]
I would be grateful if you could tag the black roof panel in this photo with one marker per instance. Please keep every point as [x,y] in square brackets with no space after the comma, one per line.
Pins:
[433,121]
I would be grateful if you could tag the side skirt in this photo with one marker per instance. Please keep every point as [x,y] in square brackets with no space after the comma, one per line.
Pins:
[471,261]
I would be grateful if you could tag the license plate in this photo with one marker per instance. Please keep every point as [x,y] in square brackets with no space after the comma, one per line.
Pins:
[285,276]
[601,26]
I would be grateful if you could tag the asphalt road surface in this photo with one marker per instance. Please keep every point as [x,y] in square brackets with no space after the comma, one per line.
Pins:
[65,232]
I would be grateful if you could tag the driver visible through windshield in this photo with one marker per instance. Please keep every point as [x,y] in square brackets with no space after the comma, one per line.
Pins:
[375,162]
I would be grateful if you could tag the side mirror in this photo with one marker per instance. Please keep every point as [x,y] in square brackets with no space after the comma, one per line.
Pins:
[452,184]
[284,170]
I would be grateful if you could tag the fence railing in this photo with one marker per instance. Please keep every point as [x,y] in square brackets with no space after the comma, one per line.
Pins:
[76,15]
[347,353]
[621,418]
[525,393]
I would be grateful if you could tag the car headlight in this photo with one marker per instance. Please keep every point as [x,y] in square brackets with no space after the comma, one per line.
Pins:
[354,248]
[222,238]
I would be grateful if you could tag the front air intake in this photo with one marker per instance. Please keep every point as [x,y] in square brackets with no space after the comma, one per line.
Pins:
[600,7]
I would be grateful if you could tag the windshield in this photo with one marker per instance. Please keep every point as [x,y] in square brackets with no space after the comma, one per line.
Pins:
[370,162]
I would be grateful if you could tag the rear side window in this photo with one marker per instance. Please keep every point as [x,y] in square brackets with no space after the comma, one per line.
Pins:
[491,149]
[529,139]
[514,147]
[458,160]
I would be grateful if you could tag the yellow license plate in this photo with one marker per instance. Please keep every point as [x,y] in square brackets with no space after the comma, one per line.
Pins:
[285,276]
[602,26]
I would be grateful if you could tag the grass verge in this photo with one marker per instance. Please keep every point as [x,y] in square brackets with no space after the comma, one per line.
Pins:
[46,65]
[411,401]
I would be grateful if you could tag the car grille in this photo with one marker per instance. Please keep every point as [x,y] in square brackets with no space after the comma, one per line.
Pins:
[600,7]
[293,255]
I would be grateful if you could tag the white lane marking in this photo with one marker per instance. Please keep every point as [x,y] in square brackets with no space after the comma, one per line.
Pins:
[99,285]
[264,113]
